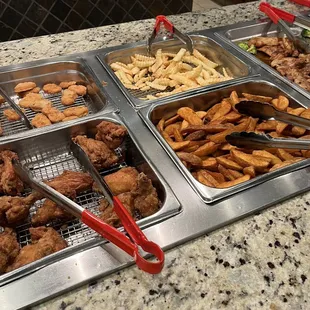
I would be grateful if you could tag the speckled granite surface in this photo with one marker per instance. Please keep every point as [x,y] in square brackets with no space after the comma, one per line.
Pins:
[259,263]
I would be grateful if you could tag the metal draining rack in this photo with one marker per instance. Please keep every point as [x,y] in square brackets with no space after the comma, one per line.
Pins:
[46,166]
[10,128]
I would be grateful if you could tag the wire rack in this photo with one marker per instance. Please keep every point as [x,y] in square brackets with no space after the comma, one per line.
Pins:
[10,128]
[46,166]
[141,94]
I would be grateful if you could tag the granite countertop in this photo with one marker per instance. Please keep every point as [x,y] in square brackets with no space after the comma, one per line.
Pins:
[261,262]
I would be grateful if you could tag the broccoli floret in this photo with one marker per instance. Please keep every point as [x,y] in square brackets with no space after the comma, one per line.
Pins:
[243,45]
[252,49]
[305,33]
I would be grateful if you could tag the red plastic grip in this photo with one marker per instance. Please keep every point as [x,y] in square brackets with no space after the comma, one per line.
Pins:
[282,14]
[302,2]
[270,13]
[167,24]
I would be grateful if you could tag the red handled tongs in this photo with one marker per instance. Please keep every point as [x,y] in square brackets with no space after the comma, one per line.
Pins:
[161,19]
[300,21]
[130,246]
[298,42]
[302,2]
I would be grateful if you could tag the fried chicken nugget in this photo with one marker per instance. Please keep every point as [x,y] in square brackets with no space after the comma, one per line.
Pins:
[68,97]
[40,120]
[76,111]
[20,87]
[79,89]
[11,115]
[52,88]
[53,114]
[35,90]
[66,84]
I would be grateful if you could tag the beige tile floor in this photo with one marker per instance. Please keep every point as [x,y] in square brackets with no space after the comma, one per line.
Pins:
[203,5]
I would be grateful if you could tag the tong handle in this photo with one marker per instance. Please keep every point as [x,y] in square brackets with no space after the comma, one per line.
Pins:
[162,19]
[302,2]
[281,13]
[270,13]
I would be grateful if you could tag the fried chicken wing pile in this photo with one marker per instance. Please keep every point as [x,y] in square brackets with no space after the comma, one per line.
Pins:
[45,241]
[135,191]
[97,151]
[287,60]
[9,248]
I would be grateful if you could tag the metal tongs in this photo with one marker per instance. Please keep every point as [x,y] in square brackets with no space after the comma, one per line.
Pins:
[298,42]
[161,19]
[16,108]
[129,245]
[266,111]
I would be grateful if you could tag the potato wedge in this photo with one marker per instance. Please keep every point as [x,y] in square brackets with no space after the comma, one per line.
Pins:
[227,163]
[225,172]
[245,160]
[221,137]
[190,116]
[212,111]
[205,181]
[282,103]
[208,177]
[201,114]
[252,125]
[263,153]
[161,125]
[242,179]
[236,174]
[224,109]
[234,99]
[208,128]
[170,128]
[184,125]
[284,155]
[298,131]
[270,125]
[217,176]
[285,163]
[196,135]
[209,164]
[258,98]
[177,135]
[227,147]
[176,146]
[190,149]
[206,149]
[232,117]
[190,158]
[172,120]
[250,171]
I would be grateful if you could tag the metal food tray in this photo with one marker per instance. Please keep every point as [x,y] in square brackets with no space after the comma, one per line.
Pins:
[47,156]
[205,44]
[50,72]
[152,115]
[234,34]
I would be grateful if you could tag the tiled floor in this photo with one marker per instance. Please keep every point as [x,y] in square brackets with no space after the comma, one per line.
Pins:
[203,5]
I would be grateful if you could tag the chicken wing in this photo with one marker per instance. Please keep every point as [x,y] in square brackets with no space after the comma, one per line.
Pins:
[15,210]
[10,184]
[45,241]
[77,181]
[122,181]
[97,151]
[111,134]
[9,248]
[50,211]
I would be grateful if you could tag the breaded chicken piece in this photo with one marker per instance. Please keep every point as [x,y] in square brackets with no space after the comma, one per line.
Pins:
[66,84]
[76,111]
[111,134]
[9,248]
[51,88]
[97,151]
[2,100]
[122,181]
[108,214]
[40,120]
[20,87]
[68,97]
[53,114]
[45,241]
[15,210]
[10,183]
[35,90]
[69,118]
[79,89]
[11,115]
[50,211]
[77,181]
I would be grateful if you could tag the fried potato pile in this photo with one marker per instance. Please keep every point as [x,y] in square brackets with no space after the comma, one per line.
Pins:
[199,140]
[34,99]
[168,73]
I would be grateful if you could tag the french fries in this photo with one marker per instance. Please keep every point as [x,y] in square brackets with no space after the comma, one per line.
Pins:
[168,73]
[199,139]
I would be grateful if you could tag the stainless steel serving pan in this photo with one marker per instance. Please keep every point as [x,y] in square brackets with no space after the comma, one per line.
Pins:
[234,34]
[73,68]
[152,115]
[48,156]
[204,43]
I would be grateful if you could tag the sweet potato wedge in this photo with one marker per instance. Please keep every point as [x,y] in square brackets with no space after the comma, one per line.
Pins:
[206,149]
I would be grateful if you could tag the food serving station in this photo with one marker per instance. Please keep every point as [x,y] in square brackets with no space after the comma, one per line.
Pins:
[188,207]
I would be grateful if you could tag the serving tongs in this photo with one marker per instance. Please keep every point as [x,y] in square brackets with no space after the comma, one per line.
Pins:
[298,42]
[161,19]
[252,140]
[297,20]
[130,245]
[16,108]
